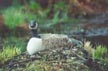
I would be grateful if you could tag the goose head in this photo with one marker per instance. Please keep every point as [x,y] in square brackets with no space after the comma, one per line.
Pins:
[33,26]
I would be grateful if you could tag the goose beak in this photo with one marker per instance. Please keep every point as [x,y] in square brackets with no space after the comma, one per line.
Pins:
[33,24]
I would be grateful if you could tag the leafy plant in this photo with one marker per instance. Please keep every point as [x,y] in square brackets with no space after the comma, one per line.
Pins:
[11,46]
[13,17]
[8,52]
[100,53]
[30,16]
[56,17]
[15,42]
[34,5]
[60,6]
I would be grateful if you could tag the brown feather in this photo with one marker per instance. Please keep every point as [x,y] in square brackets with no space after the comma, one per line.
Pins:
[56,40]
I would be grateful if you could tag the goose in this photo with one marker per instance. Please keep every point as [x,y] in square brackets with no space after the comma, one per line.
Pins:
[39,42]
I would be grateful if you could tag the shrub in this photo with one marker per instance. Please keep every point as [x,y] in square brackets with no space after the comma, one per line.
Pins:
[12,46]
[13,17]
[100,53]
[8,52]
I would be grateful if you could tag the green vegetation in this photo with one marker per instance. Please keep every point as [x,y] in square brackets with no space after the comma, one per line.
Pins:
[17,15]
[61,6]
[13,17]
[34,5]
[12,46]
[7,53]
[100,53]
[15,42]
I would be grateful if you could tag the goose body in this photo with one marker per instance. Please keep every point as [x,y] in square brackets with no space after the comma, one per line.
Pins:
[55,40]
[39,42]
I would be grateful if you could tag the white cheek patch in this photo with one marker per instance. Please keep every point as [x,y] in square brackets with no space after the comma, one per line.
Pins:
[34,27]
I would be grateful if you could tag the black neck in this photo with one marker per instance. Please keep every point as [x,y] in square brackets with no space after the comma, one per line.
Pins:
[34,33]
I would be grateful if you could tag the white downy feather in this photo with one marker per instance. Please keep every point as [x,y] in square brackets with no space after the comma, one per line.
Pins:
[34,45]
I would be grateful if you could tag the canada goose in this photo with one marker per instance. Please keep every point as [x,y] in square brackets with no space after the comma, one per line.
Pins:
[39,42]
